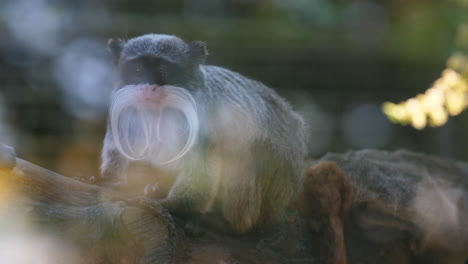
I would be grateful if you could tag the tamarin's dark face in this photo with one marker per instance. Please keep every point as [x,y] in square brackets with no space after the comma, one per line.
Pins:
[157,59]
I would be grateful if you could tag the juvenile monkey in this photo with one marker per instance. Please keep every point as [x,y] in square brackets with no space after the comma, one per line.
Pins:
[234,146]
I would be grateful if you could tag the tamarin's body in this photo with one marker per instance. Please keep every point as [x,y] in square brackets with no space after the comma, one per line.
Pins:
[234,145]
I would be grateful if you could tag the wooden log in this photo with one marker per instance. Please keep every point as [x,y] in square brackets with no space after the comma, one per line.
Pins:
[100,223]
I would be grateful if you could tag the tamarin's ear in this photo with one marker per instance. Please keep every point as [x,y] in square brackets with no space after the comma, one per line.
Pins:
[198,51]
[115,46]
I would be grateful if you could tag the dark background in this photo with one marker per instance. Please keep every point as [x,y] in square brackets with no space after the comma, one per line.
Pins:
[335,61]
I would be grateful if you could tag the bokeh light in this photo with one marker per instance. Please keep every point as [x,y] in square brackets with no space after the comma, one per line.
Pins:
[321,125]
[36,24]
[365,126]
[84,72]
[22,242]
[447,96]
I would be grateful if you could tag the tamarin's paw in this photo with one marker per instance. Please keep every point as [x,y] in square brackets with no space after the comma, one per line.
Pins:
[151,204]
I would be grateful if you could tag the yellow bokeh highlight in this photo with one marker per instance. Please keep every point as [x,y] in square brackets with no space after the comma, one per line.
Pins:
[397,113]
[7,189]
[447,96]
[437,117]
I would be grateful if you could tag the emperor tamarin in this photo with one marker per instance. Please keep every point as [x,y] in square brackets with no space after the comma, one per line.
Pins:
[234,146]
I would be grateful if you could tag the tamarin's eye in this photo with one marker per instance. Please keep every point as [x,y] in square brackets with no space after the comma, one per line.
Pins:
[138,72]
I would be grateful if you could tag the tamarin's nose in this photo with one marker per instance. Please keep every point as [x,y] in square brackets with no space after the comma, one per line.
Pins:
[150,92]
[147,89]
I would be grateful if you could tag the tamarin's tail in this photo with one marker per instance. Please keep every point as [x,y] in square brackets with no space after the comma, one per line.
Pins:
[323,200]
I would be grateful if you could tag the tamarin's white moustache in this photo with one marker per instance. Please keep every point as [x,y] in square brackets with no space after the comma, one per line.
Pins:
[136,115]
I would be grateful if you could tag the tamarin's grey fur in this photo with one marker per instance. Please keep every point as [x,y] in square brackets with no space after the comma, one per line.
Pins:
[234,146]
